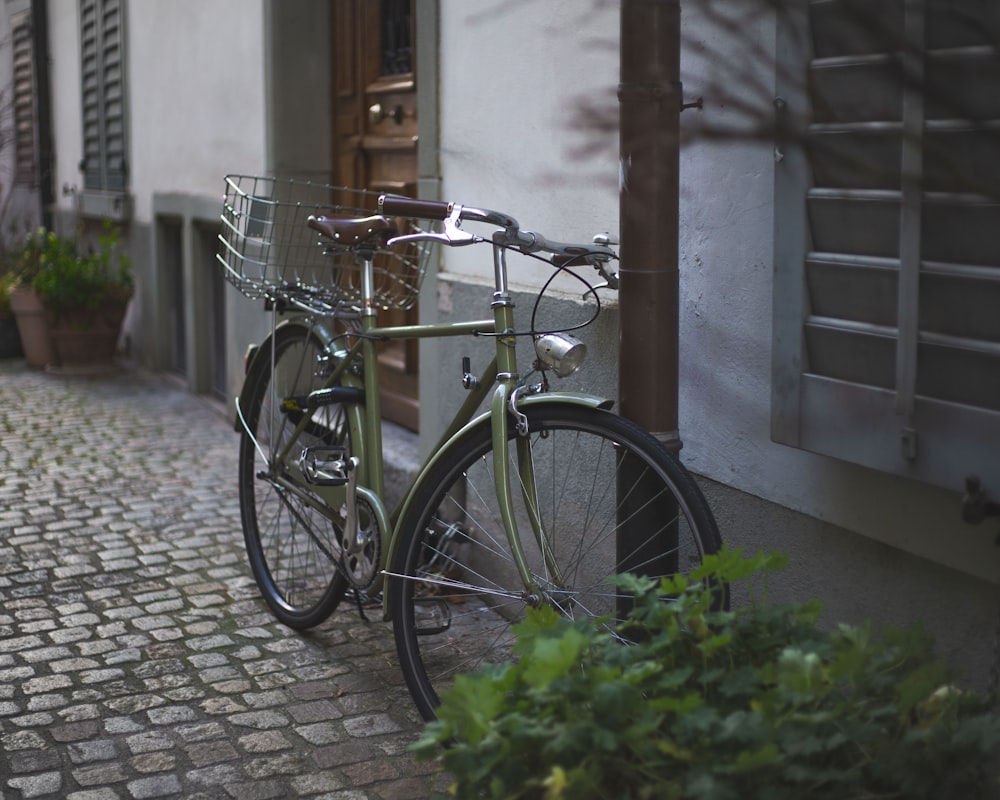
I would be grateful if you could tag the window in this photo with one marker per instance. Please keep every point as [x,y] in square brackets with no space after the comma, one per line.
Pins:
[104,164]
[397,27]
[886,344]
[25,167]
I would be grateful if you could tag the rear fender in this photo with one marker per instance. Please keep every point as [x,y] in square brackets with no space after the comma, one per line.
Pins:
[257,353]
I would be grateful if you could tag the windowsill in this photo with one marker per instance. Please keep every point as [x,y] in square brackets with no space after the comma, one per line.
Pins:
[115,206]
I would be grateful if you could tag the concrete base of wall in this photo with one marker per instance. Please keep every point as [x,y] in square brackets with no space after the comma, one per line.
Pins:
[857,579]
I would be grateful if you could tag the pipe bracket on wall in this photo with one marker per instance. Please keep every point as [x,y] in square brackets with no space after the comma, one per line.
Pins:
[976,505]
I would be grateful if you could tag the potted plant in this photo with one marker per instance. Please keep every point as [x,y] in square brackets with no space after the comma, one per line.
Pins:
[26,305]
[85,297]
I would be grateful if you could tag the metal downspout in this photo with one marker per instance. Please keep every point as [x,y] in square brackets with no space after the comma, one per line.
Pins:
[650,98]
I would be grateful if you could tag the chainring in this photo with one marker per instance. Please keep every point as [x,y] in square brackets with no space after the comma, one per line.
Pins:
[361,567]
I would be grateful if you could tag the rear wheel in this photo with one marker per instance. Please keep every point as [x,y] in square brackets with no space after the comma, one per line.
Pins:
[609,498]
[292,543]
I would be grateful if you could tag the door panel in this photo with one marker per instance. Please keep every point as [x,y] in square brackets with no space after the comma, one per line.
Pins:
[348,81]
[375,146]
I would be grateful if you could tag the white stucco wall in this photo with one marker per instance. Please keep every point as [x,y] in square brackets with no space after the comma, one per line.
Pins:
[511,78]
[196,95]
[201,110]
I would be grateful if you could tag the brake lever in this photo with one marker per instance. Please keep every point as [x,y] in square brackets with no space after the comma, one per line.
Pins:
[452,234]
[610,277]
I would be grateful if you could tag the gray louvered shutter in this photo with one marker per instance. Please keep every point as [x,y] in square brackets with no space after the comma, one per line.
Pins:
[887,264]
[103,76]
[25,172]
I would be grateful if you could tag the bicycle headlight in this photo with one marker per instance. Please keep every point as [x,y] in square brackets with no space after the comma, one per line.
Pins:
[560,352]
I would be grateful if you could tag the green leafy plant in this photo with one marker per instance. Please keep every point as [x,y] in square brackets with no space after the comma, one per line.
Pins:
[22,264]
[39,248]
[8,281]
[758,702]
[68,281]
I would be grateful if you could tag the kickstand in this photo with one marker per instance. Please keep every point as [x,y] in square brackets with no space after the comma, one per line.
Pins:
[361,605]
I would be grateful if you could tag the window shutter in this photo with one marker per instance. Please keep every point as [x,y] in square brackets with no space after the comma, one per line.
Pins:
[887,302]
[102,69]
[25,172]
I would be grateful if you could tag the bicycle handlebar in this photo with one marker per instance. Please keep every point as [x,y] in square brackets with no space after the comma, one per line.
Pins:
[511,235]
[394,205]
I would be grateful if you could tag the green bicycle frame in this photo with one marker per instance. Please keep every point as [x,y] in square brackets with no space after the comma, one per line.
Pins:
[365,422]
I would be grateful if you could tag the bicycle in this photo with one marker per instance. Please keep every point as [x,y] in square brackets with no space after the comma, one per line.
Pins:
[537,500]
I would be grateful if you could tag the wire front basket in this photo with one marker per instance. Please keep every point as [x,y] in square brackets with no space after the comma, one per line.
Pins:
[268,251]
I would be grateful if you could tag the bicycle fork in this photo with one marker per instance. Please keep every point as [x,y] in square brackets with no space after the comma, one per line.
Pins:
[505,400]
[525,483]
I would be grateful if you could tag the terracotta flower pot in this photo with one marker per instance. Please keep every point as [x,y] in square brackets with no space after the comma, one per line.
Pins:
[88,338]
[33,326]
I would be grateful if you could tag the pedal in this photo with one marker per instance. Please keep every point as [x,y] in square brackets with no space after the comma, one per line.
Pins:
[326,466]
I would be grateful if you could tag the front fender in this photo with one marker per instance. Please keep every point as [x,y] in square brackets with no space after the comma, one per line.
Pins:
[471,429]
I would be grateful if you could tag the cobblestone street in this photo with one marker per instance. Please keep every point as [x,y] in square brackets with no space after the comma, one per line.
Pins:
[137,659]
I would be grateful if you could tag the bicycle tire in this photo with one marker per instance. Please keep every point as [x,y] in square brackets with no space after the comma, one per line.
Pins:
[293,548]
[453,610]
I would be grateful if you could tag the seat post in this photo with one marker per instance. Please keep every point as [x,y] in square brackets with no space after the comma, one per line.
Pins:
[366,261]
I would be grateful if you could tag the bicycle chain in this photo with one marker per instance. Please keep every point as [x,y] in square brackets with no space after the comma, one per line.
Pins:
[368,577]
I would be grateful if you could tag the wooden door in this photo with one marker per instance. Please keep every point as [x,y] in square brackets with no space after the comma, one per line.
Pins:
[375,145]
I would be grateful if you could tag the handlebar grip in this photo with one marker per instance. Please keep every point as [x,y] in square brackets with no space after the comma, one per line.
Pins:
[568,259]
[396,206]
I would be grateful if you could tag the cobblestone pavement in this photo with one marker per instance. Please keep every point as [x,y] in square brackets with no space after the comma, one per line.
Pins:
[136,657]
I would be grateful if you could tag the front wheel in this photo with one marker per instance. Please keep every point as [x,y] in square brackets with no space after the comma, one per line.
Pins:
[605,498]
